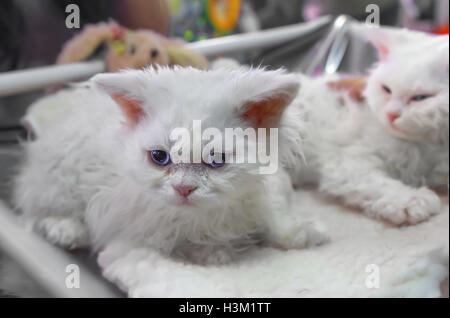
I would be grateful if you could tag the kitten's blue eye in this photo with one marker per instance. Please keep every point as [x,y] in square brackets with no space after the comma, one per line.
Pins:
[216,160]
[160,157]
[420,98]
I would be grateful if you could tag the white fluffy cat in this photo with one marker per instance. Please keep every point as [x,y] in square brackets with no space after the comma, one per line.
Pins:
[109,167]
[382,155]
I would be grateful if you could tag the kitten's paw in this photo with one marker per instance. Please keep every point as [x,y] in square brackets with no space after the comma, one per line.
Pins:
[206,255]
[305,235]
[218,257]
[68,233]
[419,207]
[423,205]
[316,235]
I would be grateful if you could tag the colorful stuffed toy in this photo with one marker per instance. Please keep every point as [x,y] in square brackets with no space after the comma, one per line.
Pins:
[129,49]
[198,20]
[125,49]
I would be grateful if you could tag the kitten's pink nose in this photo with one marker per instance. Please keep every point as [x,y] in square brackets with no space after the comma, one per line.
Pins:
[392,116]
[184,190]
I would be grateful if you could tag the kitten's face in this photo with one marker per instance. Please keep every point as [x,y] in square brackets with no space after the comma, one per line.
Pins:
[155,103]
[409,89]
[206,184]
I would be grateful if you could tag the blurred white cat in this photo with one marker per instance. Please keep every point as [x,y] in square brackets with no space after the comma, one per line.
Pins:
[383,155]
[101,172]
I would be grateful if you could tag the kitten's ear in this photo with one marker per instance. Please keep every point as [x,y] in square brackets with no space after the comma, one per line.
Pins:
[122,89]
[380,44]
[266,107]
[381,39]
[386,39]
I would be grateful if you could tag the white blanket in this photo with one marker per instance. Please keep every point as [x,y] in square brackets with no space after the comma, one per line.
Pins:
[365,258]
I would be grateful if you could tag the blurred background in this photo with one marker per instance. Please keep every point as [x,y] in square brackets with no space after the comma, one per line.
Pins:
[33,31]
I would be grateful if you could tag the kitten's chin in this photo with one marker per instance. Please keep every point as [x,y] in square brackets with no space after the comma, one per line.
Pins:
[179,201]
[186,203]
[394,130]
[400,133]
[397,132]
[194,203]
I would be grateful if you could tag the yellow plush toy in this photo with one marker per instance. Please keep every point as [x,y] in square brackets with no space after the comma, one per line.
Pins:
[129,49]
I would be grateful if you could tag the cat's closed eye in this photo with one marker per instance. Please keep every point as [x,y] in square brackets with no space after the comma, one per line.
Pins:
[159,157]
[420,98]
[386,89]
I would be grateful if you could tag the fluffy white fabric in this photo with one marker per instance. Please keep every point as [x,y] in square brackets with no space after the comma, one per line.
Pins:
[413,261]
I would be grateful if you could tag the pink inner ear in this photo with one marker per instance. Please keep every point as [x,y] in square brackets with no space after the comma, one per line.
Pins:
[383,50]
[265,113]
[130,107]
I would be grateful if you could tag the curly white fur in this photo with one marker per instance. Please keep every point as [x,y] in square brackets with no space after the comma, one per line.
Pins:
[91,167]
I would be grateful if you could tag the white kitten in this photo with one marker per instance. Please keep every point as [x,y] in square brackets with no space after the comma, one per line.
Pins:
[109,167]
[382,156]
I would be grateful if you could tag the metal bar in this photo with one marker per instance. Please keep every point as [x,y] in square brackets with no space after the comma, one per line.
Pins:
[258,40]
[16,82]
[339,26]
[46,263]
[28,80]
